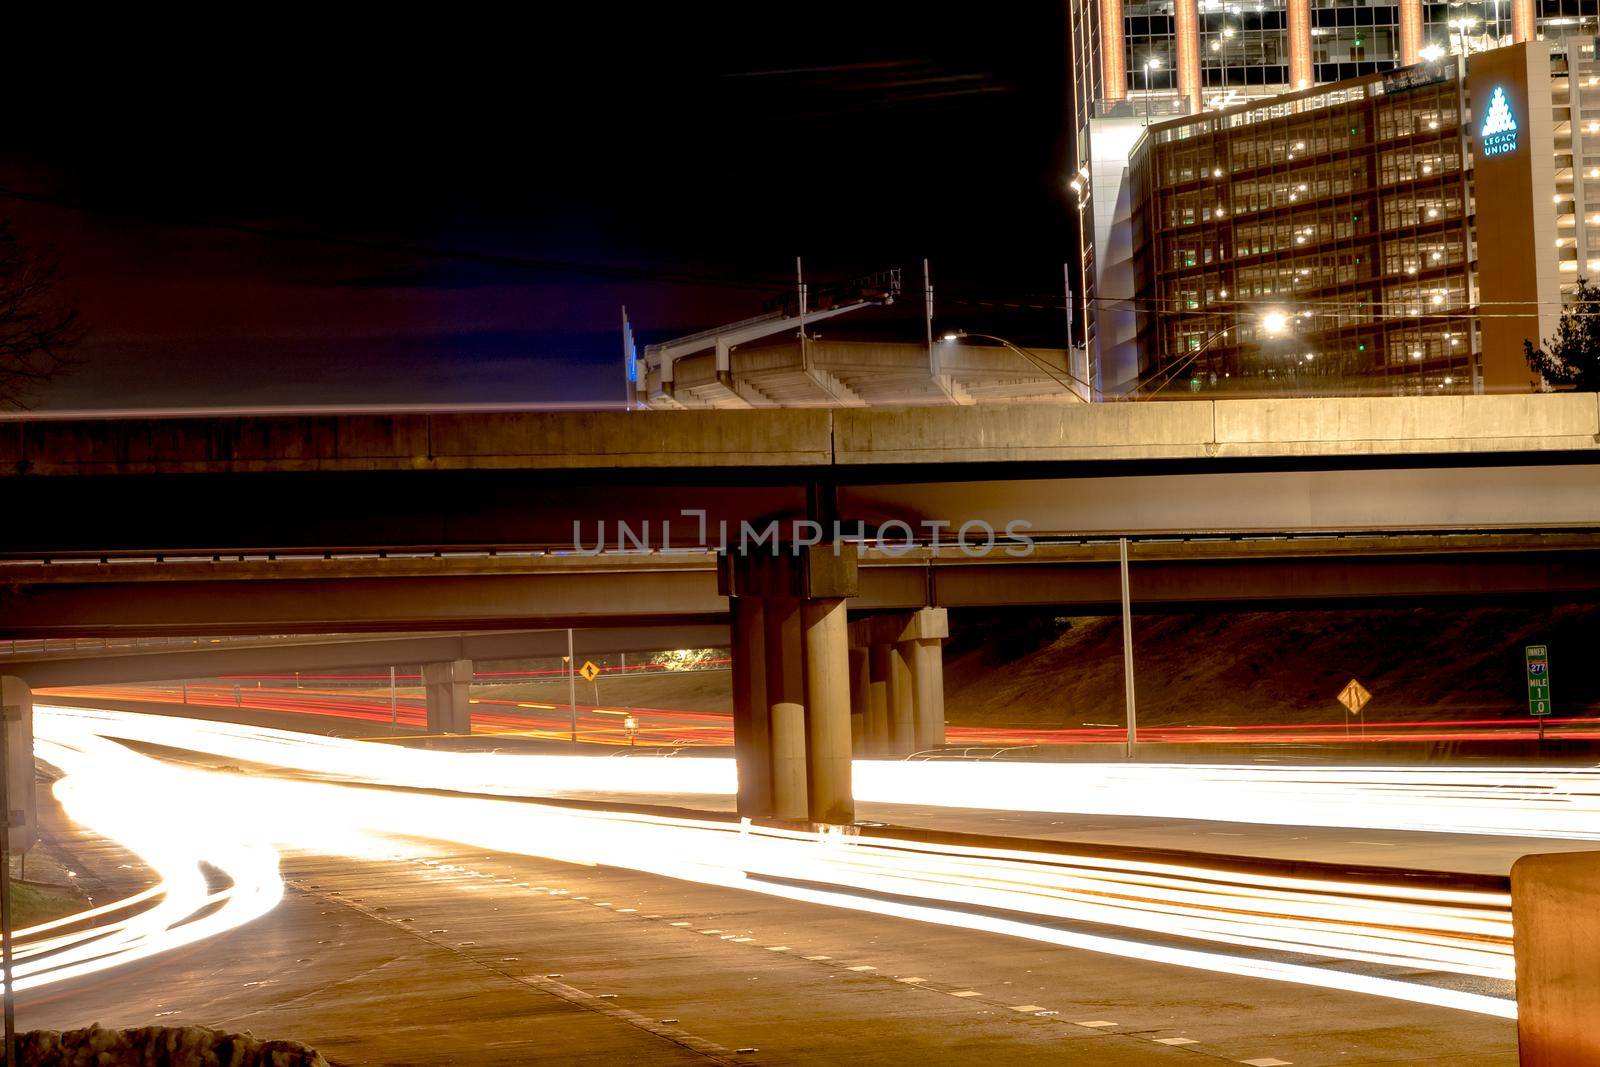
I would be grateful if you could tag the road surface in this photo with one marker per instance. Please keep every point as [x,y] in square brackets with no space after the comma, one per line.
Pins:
[512,928]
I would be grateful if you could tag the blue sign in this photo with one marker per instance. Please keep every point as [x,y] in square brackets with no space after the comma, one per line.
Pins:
[1499,131]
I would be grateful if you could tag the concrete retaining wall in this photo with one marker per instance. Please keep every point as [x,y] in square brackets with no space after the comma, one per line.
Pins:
[804,438]
[1555,914]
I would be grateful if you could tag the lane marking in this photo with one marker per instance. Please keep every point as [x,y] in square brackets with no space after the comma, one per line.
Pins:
[547,984]
[1027,1007]
[817,959]
[911,981]
[1097,1023]
[1267,1062]
[864,967]
[1176,1041]
[967,993]
[777,948]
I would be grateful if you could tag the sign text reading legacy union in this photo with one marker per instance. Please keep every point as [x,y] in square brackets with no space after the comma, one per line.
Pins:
[1499,132]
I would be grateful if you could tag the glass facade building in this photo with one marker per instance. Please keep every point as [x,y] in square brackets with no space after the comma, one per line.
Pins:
[1152,63]
[1318,240]
[1325,241]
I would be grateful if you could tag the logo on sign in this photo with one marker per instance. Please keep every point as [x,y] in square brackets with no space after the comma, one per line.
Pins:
[1499,130]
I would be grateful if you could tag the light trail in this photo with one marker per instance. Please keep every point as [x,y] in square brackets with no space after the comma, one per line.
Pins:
[1562,803]
[129,798]
[690,727]
[1042,896]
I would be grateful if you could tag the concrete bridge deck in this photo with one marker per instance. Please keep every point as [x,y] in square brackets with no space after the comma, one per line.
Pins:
[132,443]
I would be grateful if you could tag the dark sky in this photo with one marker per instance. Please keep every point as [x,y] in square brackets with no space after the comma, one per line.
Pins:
[378,212]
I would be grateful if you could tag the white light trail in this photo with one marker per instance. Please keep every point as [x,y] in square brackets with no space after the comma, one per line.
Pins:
[1541,802]
[140,804]
[1012,892]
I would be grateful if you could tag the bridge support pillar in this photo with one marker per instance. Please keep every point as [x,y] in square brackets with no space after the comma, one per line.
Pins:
[860,689]
[792,680]
[446,687]
[902,700]
[924,645]
[905,688]
[877,694]
[752,718]
[786,701]
[828,726]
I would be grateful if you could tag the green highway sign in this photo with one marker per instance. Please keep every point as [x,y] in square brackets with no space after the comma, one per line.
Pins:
[1538,659]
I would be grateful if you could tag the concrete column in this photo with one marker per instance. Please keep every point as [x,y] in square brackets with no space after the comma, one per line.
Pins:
[752,732]
[1300,75]
[1186,18]
[17,698]
[786,697]
[927,680]
[446,687]
[902,702]
[878,699]
[1113,52]
[1522,28]
[827,663]
[1410,32]
[860,682]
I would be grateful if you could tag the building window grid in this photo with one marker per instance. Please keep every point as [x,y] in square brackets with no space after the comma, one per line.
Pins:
[1151,35]
[1320,253]
[1245,47]
[1350,40]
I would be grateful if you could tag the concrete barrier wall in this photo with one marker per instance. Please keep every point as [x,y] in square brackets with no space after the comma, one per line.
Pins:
[1555,913]
[1355,425]
[1334,426]
[803,438]
[447,441]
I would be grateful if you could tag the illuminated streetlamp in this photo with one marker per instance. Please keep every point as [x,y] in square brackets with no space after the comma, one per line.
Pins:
[1040,362]
[1153,63]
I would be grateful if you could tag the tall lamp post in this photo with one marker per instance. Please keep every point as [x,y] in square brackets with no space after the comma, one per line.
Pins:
[1079,184]
[1274,323]
[1153,63]
[1038,361]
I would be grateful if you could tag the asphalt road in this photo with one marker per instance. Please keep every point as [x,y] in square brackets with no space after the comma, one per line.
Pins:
[432,952]
[443,955]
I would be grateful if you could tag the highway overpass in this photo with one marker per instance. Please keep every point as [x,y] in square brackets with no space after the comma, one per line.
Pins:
[363,481]
[338,523]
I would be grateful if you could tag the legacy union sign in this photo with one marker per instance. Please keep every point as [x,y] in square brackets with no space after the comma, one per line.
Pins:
[1499,131]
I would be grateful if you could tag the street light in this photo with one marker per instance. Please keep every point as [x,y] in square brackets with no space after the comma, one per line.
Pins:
[1153,63]
[1431,54]
[1274,323]
[1038,361]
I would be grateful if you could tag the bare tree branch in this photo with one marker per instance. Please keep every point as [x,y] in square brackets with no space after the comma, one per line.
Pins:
[37,332]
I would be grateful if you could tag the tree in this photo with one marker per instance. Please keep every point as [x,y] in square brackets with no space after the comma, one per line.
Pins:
[1572,356]
[37,333]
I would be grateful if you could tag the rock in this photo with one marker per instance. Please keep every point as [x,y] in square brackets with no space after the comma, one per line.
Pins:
[166,1046]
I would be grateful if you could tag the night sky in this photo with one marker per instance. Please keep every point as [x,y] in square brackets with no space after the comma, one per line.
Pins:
[448,212]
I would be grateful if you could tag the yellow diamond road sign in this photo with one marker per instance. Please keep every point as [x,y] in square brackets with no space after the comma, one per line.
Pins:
[1354,696]
[589,671]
